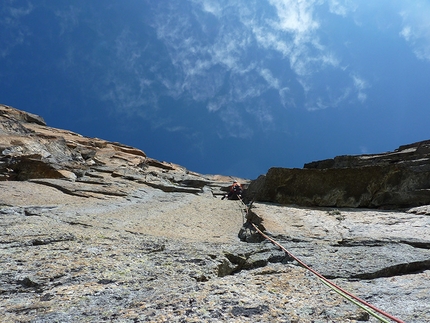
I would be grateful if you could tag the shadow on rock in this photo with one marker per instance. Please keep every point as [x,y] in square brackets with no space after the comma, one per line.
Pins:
[248,233]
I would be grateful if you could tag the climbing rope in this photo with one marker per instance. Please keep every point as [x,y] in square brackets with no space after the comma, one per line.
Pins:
[369,308]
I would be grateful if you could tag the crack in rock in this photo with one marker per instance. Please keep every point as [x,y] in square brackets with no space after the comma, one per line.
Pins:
[238,261]
[397,270]
[46,241]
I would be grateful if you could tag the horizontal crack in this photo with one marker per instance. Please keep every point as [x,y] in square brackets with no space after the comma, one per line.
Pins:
[361,243]
[79,223]
[397,270]
[79,191]
[418,244]
[41,242]
[61,188]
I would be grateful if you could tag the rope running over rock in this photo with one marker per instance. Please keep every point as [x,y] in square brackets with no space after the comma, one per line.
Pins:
[352,298]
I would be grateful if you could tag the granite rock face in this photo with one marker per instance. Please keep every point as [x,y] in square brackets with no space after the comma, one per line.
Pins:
[32,151]
[390,180]
[96,231]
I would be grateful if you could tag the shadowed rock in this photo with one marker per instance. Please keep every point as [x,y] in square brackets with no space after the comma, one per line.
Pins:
[391,180]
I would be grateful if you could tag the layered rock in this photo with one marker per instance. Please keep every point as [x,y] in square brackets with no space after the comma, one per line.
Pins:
[96,231]
[30,150]
[390,180]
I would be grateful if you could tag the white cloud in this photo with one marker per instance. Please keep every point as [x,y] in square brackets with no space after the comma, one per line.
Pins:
[16,13]
[210,6]
[295,17]
[416,27]
[272,81]
[213,106]
[360,85]
[176,129]
[406,33]
[224,56]
[234,122]
[342,7]
[263,115]
[204,66]
[286,97]
[290,30]
[11,21]
[69,18]
[294,33]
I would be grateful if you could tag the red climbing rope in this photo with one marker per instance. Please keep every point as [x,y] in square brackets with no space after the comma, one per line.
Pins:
[327,280]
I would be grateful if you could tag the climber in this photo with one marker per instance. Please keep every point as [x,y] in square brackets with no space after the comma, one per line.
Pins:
[235,191]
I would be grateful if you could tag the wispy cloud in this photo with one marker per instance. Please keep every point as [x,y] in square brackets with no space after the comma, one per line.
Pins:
[342,7]
[416,28]
[295,17]
[235,123]
[19,12]
[360,86]
[269,78]
[68,18]
[207,63]
[210,6]
[15,32]
[242,61]
[127,81]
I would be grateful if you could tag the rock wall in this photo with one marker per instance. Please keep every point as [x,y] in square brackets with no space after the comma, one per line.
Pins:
[96,231]
[30,150]
[390,180]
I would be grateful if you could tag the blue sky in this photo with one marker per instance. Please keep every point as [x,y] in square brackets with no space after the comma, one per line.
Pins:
[227,87]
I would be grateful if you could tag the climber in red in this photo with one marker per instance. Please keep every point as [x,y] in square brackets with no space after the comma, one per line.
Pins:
[235,191]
